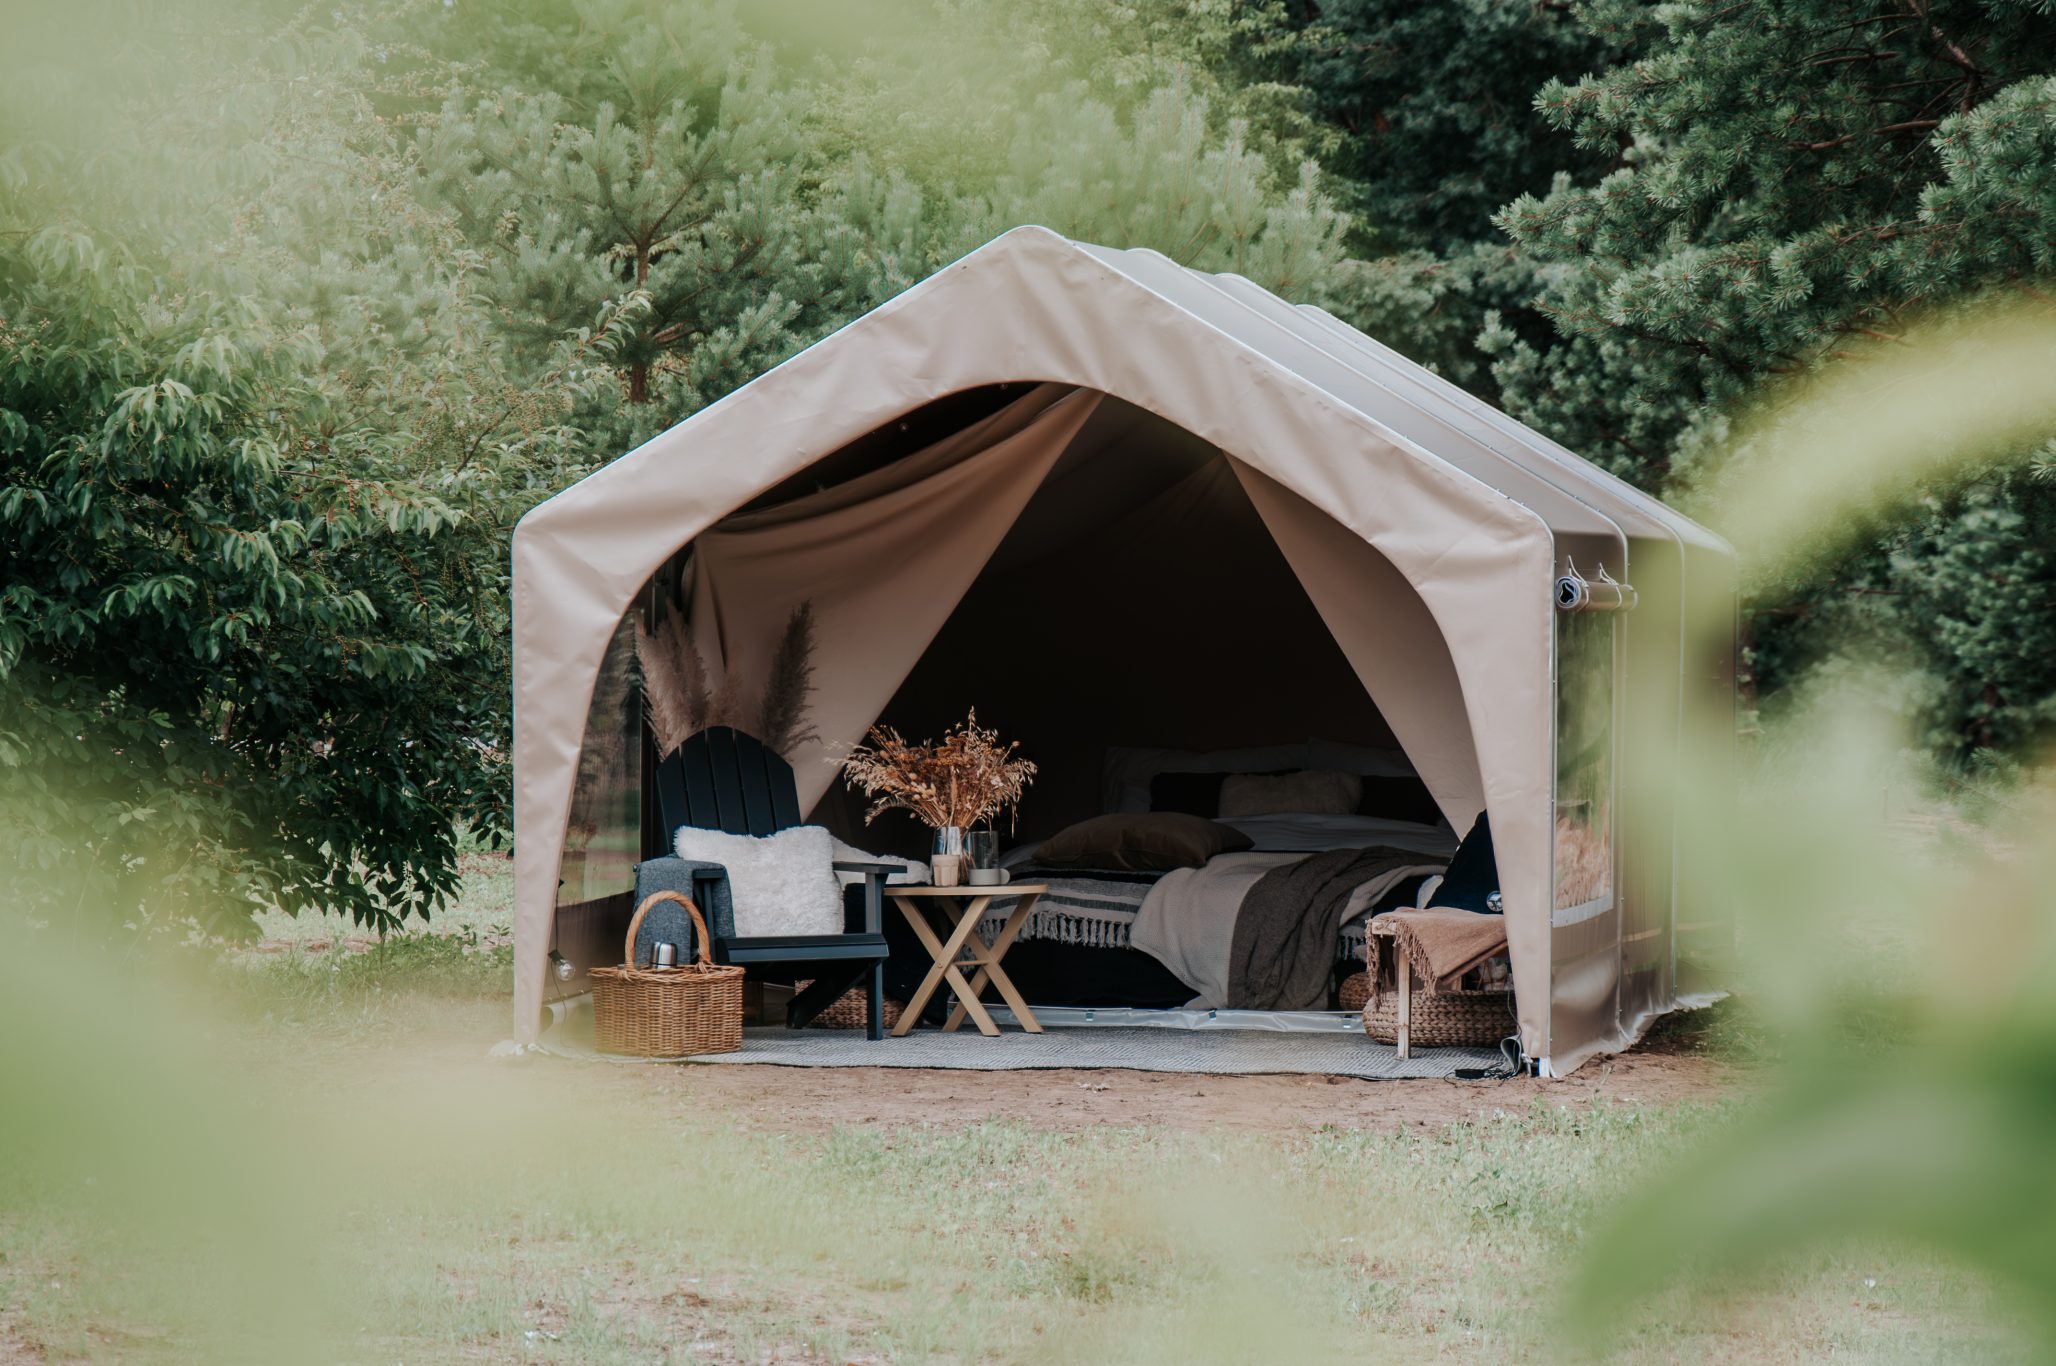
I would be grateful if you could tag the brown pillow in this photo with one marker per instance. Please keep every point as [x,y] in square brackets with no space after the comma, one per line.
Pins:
[1310,791]
[1140,840]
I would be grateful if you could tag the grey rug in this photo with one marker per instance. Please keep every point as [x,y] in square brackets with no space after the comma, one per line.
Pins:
[1210,1051]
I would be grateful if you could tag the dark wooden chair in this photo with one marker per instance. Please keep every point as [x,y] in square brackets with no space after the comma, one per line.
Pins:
[723,779]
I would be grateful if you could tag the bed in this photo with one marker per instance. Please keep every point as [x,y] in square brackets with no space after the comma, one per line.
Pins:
[1166,936]
[1098,910]
[1097,907]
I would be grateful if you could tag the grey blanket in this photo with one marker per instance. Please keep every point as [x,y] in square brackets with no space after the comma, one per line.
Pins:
[1284,944]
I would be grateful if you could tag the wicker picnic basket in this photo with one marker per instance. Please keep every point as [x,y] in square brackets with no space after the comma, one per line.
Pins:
[667,1012]
[1451,1018]
[851,1010]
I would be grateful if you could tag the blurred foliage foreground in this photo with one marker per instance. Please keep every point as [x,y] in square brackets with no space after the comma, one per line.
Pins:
[1907,975]
[266,435]
[304,1160]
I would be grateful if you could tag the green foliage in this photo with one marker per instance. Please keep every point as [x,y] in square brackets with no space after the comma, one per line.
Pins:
[259,468]
[1900,966]
[1427,130]
[297,316]
[656,149]
[1429,105]
[1911,1096]
[651,152]
[1784,179]
[1207,201]
[1700,198]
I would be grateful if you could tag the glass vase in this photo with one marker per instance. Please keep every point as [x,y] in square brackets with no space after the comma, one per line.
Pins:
[946,861]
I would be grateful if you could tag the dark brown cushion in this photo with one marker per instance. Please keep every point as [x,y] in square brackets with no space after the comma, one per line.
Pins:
[1144,840]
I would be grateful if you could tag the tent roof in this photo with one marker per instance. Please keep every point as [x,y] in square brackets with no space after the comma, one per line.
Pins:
[1571,494]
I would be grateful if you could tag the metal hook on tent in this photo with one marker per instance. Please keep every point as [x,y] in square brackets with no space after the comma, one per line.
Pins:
[1576,593]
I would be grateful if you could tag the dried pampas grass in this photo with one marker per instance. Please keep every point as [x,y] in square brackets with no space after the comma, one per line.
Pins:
[782,719]
[1584,863]
[674,680]
[678,702]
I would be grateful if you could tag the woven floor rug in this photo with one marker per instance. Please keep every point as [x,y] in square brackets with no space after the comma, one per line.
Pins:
[1216,1052]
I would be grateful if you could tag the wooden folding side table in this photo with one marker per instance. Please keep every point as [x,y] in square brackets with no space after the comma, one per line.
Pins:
[961,908]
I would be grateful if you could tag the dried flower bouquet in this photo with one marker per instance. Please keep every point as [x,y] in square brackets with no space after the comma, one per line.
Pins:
[969,778]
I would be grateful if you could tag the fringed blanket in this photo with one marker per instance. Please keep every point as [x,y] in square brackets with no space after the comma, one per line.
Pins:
[1092,909]
[1436,942]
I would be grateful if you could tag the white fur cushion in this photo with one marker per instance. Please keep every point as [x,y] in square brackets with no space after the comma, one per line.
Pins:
[781,884]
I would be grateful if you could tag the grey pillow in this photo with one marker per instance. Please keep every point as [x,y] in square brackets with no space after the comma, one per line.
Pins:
[1140,841]
[1312,792]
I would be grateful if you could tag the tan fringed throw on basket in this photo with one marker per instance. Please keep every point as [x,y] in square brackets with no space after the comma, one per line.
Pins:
[1436,942]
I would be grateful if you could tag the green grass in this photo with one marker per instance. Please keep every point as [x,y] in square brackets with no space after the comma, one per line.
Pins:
[306,1156]
[485,907]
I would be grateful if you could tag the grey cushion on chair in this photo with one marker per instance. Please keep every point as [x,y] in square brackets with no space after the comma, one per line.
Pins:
[668,922]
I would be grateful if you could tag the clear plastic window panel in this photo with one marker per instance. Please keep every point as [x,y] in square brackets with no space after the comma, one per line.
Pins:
[605,836]
[1584,760]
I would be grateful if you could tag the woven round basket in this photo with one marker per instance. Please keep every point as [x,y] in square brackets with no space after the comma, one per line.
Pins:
[1447,1019]
[667,1012]
[851,1010]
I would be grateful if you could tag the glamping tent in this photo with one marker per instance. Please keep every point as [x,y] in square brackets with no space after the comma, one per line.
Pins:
[1116,503]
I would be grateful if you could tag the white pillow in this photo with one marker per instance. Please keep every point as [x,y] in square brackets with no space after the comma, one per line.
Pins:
[781,884]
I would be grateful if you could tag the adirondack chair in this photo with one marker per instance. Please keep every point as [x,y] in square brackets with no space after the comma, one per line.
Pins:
[723,779]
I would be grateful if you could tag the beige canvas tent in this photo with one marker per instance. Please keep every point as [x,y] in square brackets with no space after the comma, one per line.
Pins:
[1110,495]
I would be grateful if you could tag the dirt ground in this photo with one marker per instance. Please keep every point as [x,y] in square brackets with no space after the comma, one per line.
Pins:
[801,1099]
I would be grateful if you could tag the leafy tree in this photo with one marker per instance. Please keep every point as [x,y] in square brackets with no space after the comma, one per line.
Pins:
[1787,176]
[258,472]
[1111,124]
[1158,178]
[1430,106]
[290,336]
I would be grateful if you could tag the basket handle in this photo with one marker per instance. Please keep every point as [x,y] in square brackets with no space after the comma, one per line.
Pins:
[701,937]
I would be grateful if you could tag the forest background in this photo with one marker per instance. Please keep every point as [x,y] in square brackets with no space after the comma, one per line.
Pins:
[302,307]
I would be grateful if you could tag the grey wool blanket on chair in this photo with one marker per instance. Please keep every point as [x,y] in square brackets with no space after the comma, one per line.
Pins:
[1284,944]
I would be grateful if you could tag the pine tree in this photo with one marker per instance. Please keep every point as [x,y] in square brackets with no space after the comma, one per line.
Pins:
[653,160]
[1426,126]
[646,155]
[1786,176]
